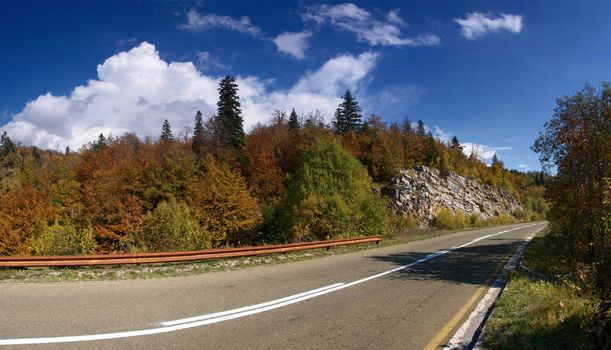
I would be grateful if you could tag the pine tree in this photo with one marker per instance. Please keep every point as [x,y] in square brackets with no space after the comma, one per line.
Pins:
[199,137]
[348,115]
[166,132]
[431,149]
[99,143]
[229,113]
[293,121]
[496,165]
[7,146]
[455,144]
[338,123]
[420,130]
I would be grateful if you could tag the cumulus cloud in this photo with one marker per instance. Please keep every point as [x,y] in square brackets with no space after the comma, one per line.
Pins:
[477,24]
[293,44]
[136,90]
[354,19]
[197,22]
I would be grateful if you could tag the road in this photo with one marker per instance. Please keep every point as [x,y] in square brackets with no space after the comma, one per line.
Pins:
[369,300]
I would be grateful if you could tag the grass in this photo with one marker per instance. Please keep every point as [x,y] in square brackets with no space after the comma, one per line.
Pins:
[541,308]
[146,271]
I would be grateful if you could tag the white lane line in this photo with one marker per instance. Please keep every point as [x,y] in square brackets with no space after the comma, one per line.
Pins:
[197,321]
[246,308]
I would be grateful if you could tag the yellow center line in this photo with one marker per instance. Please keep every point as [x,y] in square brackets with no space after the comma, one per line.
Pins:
[441,336]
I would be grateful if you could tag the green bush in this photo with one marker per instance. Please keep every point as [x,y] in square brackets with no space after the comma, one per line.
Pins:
[65,240]
[329,196]
[400,223]
[502,219]
[172,227]
[447,219]
[474,221]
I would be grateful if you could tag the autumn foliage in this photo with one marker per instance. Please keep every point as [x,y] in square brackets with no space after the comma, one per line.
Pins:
[293,178]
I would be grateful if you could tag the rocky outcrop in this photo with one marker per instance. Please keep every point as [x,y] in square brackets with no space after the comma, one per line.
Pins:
[422,192]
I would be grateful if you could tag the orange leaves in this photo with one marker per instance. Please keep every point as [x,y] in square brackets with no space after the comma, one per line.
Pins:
[24,215]
[223,204]
[265,175]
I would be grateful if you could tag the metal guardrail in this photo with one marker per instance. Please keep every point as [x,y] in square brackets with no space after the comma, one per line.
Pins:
[169,257]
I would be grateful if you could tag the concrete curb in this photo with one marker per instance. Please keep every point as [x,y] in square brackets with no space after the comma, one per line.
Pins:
[468,336]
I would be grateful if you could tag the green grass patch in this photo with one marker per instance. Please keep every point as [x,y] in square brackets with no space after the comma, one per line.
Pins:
[542,308]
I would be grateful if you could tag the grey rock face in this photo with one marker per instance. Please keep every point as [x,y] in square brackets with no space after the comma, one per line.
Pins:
[422,192]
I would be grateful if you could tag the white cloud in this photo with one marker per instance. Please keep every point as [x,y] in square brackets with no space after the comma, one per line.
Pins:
[523,167]
[482,151]
[394,95]
[136,90]
[479,150]
[336,14]
[207,62]
[442,135]
[359,21]
[393,18]
[337,74]
[477,24]
[198,22]
[293,44]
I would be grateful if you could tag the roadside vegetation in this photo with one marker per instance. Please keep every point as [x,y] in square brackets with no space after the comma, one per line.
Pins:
[543,307]
[294,178]
[400,235]
[563,298]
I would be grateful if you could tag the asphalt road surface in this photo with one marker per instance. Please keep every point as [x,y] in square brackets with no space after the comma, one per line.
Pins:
[408,296]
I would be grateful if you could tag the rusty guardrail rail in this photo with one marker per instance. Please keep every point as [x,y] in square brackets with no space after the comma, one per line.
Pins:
[168,257]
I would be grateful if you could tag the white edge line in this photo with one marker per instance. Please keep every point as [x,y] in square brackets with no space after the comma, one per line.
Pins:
[464,335]
[197,321]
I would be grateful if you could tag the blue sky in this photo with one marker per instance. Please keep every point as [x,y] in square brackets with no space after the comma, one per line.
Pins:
[487,72]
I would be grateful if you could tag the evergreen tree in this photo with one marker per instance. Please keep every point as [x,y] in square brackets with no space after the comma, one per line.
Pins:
[420,130]
[7,146]
[293,121]
[229,113]
[496,165]
[166,132]
[199,137]
[338,123]
[455,144]
[348,115]
[99,143]
[431,149]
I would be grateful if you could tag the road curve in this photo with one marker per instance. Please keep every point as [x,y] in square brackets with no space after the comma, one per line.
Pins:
[397,297]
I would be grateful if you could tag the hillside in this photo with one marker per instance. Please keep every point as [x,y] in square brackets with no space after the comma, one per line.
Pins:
[422,193]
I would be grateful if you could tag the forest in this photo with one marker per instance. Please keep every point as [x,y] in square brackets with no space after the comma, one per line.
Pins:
[294,178]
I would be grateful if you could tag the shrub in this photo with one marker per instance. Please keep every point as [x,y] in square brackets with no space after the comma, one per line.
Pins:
[172,227]
[65,240]
[329,196]
[474,221]
[502,219]
[447,219]
[399,223]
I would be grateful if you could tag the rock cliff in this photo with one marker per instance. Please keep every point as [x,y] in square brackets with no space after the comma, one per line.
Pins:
[422,192]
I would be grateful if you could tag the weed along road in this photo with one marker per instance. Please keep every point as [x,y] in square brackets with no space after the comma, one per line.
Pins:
[408,296]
